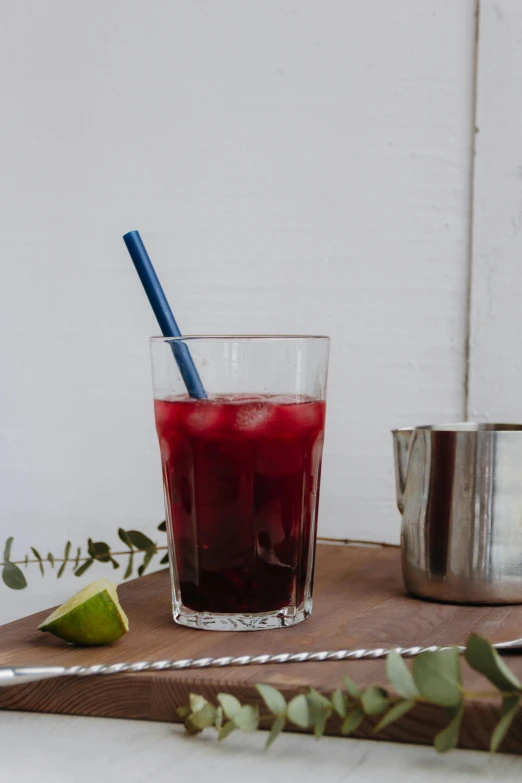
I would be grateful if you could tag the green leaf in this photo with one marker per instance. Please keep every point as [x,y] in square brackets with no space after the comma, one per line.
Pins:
[320,710]
[247,718]
[77,560]
[26,561]
[190,726]
[183,712]
[146,560]
[396,712]
[114,563]
[100,551]
[274,700]
[13,576]
[164,559]
[226,729]
[123,536]
[38,556]
[448,738]
[230,704]
[65,559]
[7,550]
[400,676]
[140,540]
[374,700]
[197,702]
[90,547]
[353,720]
[163,526]
[277,727]
[482,657]
[219,717]
[204,717]
[352,688]
[339,703]
[316,700]
[50,558]
[83,568]
[130,564]
[437,676]
[298,712]
[509,711]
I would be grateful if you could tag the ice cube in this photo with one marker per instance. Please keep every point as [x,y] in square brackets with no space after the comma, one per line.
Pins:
[252,417]
[305,414]
[203,416]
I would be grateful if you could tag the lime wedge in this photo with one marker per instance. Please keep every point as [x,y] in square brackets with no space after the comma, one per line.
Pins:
[91,617]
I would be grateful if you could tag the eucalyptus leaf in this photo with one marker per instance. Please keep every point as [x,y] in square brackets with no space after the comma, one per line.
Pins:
[65,559]
[353,720]
[400,676]
[277,727]
[164,559]
[100,551]
[190,726]
[374,700]
[298,712]
[226,729]
[482,657]
[38,556]
[90,548]
[230,704]
[114,563]
[83,568]
[448,738]
[163,526]
[339,703]
[77,559]
[13,576]
[274,700]
[124,536]
[197,702]
[26,561]
[247,718]
[437,676]
[130,565]
[146,560]
[140,540]
[320,710]
[7,550]
[396,712]
[204,717]
[508,713]
[316,700]
[351,687]
[50,558]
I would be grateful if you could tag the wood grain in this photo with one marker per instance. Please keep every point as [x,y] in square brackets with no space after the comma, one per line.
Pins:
[359,601]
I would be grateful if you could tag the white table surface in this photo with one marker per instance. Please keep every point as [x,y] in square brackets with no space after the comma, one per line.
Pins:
[55,748]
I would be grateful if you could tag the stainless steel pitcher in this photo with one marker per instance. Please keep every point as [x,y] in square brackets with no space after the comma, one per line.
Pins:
[459,490]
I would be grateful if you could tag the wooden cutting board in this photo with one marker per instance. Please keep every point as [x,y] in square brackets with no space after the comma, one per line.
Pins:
[359,601]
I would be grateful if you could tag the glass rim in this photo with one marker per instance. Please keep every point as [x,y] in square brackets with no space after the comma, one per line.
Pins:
[463,426]
[245,337]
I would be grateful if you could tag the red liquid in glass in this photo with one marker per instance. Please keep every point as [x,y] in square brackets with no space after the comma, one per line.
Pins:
[241,477]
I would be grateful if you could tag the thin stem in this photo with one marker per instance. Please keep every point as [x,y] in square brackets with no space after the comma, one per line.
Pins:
[82,559]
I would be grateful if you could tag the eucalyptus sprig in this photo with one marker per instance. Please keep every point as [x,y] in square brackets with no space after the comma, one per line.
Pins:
[80,561]
[435,678]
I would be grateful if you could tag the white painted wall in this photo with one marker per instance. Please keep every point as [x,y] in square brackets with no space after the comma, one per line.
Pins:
[496,304]
[293,165]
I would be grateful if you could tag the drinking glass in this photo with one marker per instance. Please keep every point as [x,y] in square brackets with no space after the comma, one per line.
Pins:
[241,476]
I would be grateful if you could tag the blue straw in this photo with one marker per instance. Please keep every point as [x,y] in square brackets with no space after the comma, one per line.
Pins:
[163,313]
